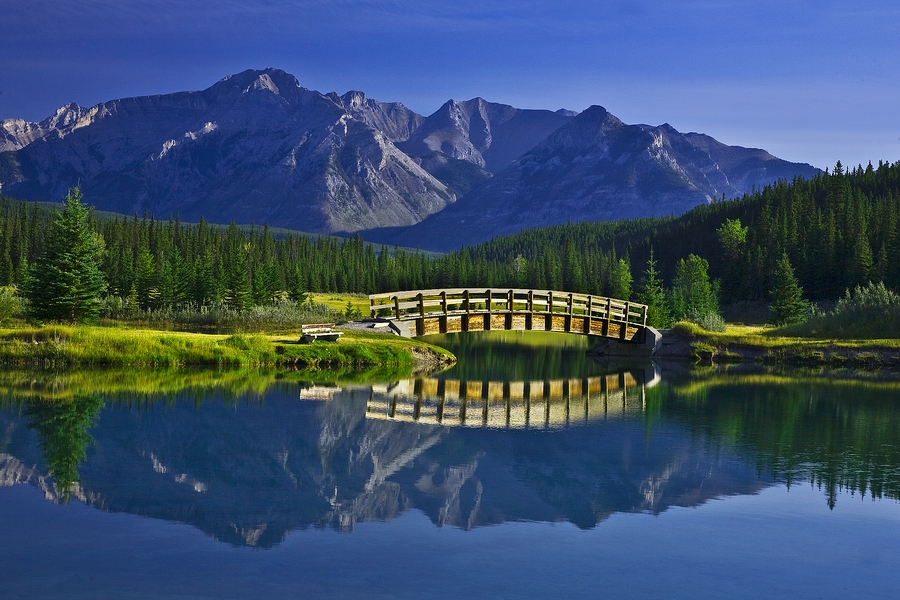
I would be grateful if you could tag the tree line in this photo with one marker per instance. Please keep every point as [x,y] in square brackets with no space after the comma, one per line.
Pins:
[833,232]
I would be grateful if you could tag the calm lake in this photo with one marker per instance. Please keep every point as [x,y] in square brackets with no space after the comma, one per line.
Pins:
[528,470]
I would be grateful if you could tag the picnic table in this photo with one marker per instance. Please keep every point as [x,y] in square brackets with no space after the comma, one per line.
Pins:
[319,331]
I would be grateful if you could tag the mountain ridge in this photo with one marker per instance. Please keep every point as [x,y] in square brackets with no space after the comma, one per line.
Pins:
[597,168]
[256,146]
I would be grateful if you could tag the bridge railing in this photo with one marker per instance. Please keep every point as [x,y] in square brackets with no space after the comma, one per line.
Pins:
[419,304]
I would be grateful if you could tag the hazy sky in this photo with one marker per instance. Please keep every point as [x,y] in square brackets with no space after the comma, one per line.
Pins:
[809,80]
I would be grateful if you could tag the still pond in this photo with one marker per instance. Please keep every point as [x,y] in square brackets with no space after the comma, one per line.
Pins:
[528,470]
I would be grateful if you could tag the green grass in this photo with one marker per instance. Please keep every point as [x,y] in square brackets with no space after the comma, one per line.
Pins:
[770,345]
[769,337]
[338,302]
[88,346]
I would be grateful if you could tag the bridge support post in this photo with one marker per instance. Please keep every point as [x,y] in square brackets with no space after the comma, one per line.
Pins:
[623,328]
[468,307]
[590,314]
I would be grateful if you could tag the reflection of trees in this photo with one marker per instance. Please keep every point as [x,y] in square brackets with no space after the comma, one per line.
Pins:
[62,428]
[836,439]
[247,472]
[518,355]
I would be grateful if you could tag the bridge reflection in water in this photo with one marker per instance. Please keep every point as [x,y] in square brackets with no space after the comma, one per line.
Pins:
[540,404]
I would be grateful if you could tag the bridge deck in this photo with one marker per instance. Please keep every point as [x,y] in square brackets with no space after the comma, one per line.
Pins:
[483,309]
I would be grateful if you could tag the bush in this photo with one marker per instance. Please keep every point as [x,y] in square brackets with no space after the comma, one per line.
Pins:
[284,315]
[10,304]
[874,297]
[702,352]
[710,321]
[872,311]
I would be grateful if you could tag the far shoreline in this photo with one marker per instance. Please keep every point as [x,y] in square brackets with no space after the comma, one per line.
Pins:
[685,342]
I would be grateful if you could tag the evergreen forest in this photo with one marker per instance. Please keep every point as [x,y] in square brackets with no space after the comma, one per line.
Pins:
[838,230]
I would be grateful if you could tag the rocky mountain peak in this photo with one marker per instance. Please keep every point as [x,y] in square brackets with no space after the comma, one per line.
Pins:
[253,147]
[391,118]
[18,133]
[65,115]
[487,134]
[270,82]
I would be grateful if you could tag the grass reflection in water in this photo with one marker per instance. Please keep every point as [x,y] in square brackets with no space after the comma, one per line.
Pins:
[329,462]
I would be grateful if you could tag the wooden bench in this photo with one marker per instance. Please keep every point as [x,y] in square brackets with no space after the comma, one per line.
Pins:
[319,331]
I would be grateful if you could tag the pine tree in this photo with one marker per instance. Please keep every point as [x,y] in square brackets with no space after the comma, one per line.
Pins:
[732,237]
[65,282]
[654,296]
[146,284]
[788,305]
[297,286]
[620,280]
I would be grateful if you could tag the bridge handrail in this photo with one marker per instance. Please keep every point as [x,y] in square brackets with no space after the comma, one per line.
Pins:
[416,304]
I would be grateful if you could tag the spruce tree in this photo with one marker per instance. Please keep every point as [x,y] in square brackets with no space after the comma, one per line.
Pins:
[65,282]
[788,305]
[146,284]
[653,295]
[732,237]
[620,280]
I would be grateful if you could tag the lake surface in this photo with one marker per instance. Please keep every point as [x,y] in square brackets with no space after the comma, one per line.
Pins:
[528,470]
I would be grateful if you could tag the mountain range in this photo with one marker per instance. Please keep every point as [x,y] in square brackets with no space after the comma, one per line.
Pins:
[258,147]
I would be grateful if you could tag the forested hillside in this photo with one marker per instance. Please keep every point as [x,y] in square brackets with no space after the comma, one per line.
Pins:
[839,229]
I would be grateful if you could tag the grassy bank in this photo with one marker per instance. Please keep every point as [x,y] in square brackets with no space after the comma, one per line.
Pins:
[770,346]
[85,346]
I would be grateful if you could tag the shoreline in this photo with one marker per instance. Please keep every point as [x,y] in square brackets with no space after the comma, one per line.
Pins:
[63,347]
[695,345]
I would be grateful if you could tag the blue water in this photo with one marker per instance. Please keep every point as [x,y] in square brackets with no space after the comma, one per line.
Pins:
[779,543]
[627,485]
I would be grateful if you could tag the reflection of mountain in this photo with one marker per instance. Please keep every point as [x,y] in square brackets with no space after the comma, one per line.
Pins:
[249,474]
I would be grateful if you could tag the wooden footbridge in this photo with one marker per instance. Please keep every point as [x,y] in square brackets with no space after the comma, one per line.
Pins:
[425,312]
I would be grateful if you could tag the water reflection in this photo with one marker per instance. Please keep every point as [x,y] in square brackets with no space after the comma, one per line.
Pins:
[63,438]
[247,457]
[838,434]
[542,404]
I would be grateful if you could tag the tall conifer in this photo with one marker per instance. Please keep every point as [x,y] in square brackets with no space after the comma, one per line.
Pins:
[788,305]
[65,282]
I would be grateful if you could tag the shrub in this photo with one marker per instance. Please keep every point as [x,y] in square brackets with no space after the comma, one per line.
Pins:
[284,315]
[710,321]
[872,311]
[873,297]
[10,304]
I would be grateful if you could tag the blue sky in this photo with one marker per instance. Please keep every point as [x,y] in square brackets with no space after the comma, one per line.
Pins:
[810,81]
